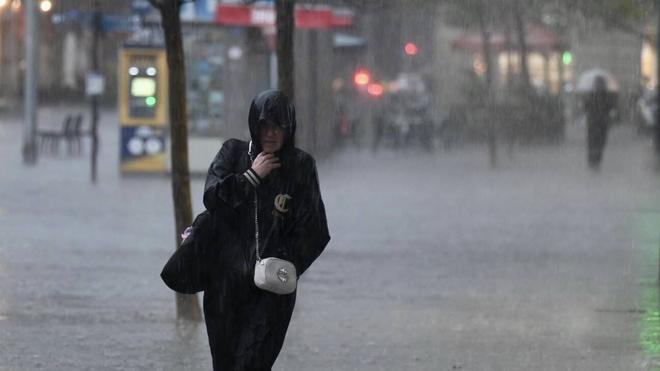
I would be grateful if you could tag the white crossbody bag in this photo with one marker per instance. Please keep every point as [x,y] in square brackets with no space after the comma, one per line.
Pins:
[271,274]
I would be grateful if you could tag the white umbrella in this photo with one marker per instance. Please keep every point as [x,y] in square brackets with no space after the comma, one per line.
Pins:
[585,83]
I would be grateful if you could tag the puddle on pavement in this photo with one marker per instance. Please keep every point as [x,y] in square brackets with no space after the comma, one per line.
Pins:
[647,236]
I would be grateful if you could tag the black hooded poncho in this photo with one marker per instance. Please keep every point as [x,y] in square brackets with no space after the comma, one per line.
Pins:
[246,325]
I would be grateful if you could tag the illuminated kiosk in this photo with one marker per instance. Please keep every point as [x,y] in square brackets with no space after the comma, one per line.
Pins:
[142,101]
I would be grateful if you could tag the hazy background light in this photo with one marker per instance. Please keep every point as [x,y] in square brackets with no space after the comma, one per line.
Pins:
[46,6]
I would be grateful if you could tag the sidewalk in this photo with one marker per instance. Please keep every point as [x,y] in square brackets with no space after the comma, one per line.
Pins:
[436,262]
[79,263]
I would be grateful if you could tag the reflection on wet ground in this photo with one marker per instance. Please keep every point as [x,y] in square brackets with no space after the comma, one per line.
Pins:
[648,239]
[436,262]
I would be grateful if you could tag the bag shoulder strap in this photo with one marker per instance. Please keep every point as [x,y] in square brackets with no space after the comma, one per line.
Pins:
[256,210]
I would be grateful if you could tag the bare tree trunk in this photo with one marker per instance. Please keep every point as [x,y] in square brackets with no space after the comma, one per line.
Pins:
[490,125]
[187,305]
[285,28]
[509,56]
[522,44]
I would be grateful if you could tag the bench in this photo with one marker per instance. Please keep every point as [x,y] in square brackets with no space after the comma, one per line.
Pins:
[71,132]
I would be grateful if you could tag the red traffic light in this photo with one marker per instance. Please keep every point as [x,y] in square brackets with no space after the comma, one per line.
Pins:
[375,90]
[362,78]
[411,49]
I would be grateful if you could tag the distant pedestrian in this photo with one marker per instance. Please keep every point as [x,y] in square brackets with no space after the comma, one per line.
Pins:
[267,191]
[598,104]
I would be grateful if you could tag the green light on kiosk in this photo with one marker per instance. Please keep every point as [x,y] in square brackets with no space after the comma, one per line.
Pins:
[150,101]
[567,58]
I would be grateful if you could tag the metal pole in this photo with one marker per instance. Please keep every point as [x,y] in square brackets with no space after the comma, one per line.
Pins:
[31,104]
[12,74]
[94,98]
[488,59]
[367,136]
[273,70]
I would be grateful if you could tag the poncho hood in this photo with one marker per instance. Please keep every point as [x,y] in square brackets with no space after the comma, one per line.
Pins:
[272,105]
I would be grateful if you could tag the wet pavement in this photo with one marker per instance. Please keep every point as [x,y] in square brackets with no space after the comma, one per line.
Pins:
[436,262]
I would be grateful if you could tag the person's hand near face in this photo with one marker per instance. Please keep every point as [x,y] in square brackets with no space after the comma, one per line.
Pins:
[265,163]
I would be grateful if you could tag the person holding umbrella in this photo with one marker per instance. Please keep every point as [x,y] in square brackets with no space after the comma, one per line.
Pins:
[598,105]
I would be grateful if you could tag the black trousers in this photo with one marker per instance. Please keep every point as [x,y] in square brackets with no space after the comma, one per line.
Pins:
[246,326]
[596,140]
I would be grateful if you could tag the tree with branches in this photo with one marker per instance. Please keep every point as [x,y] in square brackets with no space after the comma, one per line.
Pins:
[479,13]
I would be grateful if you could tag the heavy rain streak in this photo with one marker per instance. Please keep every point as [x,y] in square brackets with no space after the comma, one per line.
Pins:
[488,171]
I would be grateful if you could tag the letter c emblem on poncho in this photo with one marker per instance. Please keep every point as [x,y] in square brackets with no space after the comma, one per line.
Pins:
[281,202]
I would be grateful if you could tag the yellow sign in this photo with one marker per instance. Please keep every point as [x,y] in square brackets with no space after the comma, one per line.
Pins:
[143,109]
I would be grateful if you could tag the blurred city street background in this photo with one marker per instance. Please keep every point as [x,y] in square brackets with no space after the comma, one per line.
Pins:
[451,139]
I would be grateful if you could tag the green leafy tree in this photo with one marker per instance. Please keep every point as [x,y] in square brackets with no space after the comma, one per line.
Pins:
[626,15]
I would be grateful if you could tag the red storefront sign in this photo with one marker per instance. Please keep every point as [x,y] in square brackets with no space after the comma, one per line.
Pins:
[264,16]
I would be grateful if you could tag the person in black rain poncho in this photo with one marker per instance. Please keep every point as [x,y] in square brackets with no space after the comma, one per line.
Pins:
[246,325]
[598,105]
